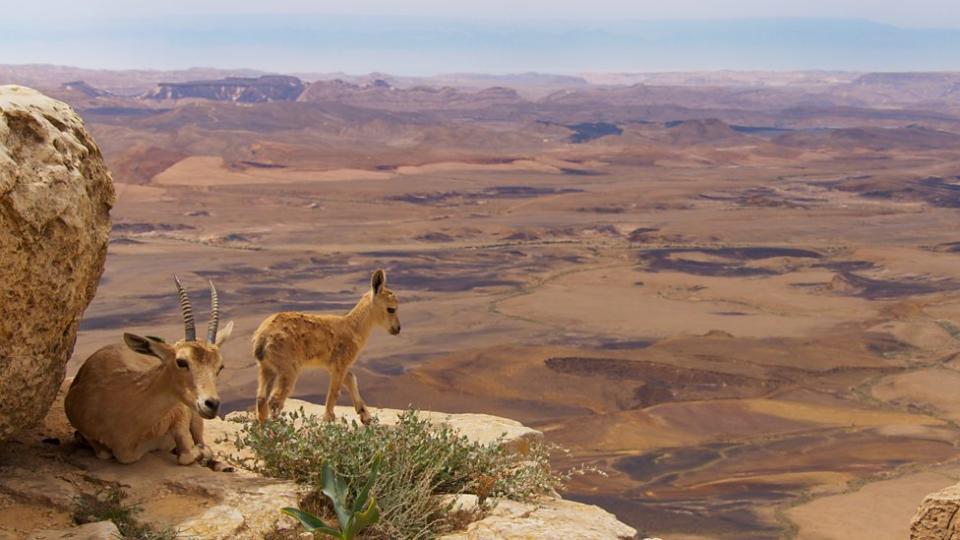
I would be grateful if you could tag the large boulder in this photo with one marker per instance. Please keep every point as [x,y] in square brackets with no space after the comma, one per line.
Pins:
[936,517]
[55,200]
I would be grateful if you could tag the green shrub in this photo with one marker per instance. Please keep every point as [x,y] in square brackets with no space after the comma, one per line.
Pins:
[420,461]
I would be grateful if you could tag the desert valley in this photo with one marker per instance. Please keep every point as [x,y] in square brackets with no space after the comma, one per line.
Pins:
[737,294]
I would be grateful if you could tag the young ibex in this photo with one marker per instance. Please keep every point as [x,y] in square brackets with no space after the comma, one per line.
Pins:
[124,403]
[287,342]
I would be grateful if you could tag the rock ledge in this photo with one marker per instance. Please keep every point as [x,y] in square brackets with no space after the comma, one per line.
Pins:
[242,505]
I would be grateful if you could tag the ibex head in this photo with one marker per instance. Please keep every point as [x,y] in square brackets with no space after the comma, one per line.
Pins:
[192,365]
[385,303]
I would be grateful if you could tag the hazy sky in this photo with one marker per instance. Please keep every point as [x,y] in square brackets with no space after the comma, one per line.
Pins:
[432,36]
[917,13]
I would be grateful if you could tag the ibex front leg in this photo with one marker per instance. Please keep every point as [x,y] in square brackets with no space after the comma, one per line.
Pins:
[187,451]
[196,434]
[350,381]
[333,392]
[206,453]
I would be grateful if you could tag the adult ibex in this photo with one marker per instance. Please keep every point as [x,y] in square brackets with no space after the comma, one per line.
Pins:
[287,342]
[127,401]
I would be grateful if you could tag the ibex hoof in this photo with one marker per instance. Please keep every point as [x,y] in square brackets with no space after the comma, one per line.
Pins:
[365,417]
[190,456]
[329,416]
[205,452]
[219,466]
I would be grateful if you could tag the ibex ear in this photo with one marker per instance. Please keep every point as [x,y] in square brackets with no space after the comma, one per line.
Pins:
[142,345]
[378,281]
[224,333]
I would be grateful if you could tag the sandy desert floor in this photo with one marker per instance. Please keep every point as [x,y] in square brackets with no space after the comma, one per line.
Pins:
[747,345]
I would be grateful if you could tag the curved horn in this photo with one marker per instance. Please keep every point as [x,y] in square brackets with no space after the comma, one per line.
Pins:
[214,315]
[189,328]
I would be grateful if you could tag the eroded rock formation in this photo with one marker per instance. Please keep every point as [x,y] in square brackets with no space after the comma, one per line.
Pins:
[55,199]
[936,519]
[204,504]
[264,89]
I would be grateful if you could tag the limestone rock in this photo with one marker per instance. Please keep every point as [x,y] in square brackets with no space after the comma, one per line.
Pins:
[483,428]
[45,489]
[101,530]
[242,505]
[547,519]
[199,502]
[463,502]
[55,199]
[249,510]
[936,517]
[193,499]
[550,518]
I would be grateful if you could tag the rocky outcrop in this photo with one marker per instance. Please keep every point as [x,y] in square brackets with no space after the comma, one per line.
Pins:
[483,428]
[101,530]
[39,477]
[197,501]
[266,88]
[710,130]
[936,517]
[244,506]
[380,95]
[84,88]
[55,199]
[549,518]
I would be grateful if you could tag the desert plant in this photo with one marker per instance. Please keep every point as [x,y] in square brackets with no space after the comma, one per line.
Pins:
[353,518]
[419,462]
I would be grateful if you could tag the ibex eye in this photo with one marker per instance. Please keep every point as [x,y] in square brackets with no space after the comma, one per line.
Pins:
[182,364]
[219,370]
[391,310]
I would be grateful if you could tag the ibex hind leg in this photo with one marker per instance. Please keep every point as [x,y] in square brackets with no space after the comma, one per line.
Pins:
[265,384]
[101,451]
[127,455]
[333,393]
[282,388]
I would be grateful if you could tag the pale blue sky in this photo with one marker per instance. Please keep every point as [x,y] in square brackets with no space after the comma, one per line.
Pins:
[497,36]
[916,13]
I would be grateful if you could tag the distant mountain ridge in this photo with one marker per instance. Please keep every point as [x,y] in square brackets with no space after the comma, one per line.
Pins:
[84,88]
[379,94]
[263,89]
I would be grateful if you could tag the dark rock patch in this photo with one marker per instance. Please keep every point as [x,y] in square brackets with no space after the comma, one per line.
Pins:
[588,131]
[140,227]
[662,382]
[731,264]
